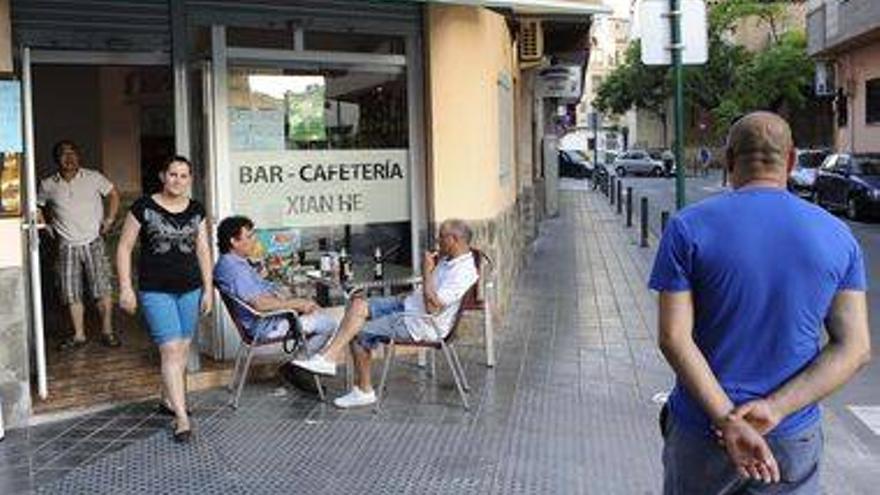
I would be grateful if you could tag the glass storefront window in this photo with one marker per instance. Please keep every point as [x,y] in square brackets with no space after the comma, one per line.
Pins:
[320,156]
[352,42]
[283,39]
[251,37]
[317,109]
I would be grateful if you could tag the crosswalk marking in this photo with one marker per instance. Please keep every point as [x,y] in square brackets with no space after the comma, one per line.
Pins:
[870,415]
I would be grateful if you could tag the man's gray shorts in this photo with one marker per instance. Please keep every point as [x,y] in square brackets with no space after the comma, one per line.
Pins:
[385,323]
[694,463]
[87,259]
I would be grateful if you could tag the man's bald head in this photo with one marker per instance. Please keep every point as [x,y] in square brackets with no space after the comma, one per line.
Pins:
[759,146]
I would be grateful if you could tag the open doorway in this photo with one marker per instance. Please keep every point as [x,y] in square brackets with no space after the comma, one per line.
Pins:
[122,119]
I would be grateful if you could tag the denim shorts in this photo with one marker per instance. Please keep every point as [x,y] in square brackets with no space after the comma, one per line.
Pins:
[171,316]
[694,463]
[384,323]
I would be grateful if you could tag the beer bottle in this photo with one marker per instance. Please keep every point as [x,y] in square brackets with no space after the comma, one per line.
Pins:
[378,264]
[344,266]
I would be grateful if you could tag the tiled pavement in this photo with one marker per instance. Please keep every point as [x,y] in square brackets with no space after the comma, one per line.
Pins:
[568,408]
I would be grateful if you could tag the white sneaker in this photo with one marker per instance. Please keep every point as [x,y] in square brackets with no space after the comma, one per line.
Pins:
[355,398]
[316,364]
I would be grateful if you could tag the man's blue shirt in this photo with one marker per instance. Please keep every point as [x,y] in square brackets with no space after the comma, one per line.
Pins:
[763,267]
[234,275]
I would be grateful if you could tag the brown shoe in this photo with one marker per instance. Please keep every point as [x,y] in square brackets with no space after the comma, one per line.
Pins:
[72,344]
[110,339]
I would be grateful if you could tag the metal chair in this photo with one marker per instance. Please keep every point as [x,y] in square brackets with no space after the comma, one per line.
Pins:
[245,353]
[469,301]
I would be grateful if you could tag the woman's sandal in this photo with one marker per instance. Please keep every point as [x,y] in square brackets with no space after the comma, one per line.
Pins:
[181,436]
[167,411]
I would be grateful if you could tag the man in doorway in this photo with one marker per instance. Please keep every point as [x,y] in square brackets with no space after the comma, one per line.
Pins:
[235,276]
[73,196]
[448,274]
[746,280]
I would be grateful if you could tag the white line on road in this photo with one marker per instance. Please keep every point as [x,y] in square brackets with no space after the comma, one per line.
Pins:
[870,415]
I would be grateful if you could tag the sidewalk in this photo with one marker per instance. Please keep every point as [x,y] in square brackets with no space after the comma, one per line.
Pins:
[568,408]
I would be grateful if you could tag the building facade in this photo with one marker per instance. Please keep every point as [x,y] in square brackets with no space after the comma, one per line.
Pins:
[357,124]
[844,38]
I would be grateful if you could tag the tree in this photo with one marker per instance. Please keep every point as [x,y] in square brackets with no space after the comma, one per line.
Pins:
[724,16]
[732,82]
[634,84]
[777,78]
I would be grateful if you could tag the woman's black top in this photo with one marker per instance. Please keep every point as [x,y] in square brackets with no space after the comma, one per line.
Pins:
[168,261]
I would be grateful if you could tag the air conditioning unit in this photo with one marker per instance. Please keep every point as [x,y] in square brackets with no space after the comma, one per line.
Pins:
[824,83]
[531,41]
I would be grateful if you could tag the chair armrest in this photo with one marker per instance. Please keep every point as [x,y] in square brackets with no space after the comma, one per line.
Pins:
[262,314]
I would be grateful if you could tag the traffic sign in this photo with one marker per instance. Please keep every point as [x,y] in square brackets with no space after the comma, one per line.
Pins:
[656,38]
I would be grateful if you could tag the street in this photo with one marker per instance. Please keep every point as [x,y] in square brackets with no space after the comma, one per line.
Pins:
[570,407]
[863,390]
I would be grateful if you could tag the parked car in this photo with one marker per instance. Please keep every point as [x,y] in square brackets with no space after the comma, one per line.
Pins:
[850,183]
[573,163]
[666,156]
[803,176]
[637,162]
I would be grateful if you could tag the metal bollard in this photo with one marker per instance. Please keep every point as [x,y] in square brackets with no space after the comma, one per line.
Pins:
[644,221]
[619,199]
[664,219]
[629,207]
[611,190]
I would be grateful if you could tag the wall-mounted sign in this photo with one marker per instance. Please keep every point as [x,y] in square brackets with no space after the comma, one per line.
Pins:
[560,81]
[10,117]
[313,188]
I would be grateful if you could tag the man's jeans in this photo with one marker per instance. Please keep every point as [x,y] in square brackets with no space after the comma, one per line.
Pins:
[695,464]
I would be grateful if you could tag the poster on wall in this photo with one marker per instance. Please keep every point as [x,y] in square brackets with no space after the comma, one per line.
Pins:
[10,184]
[306,113]
[314,188]
[253,130]
[10,117]
[11,148]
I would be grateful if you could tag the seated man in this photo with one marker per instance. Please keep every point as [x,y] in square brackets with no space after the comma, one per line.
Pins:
[235,276]
[448,274]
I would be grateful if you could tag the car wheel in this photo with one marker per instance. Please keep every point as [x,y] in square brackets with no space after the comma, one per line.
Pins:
[852,209]
[621,172]
[818,197]
[657,172]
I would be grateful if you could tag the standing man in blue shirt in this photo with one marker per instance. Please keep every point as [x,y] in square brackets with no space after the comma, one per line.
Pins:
[746,281]
[234,275]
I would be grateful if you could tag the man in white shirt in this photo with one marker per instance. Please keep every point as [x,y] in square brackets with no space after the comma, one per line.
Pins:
[74,196]
[448,274]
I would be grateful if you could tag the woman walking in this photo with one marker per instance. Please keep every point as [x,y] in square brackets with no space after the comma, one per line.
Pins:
[174,277]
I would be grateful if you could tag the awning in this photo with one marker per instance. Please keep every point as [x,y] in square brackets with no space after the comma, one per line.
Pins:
[537,7]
